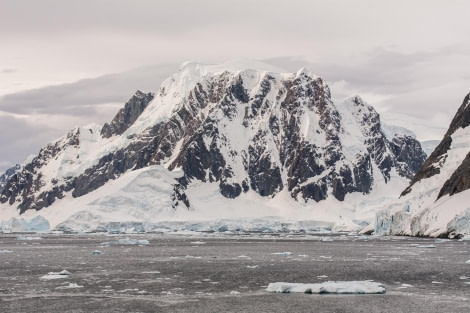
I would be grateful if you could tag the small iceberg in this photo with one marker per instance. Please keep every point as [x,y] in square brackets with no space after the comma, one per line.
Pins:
[56,275]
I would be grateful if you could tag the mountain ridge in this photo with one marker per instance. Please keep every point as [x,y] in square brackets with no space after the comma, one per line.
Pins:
[244,130]
[434,202]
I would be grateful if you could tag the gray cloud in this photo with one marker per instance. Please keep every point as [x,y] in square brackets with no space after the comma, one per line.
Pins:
[48,113]
[84,97]
[20,139]
[403,56]
[7,71]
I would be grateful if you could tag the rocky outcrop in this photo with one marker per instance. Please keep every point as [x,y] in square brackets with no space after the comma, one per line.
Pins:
[127,115]
[459,181]
[7,175]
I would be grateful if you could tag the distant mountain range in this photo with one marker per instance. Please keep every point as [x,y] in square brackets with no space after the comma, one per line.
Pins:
[220,142]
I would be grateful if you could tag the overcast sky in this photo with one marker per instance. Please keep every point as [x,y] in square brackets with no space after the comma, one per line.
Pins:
[67,63]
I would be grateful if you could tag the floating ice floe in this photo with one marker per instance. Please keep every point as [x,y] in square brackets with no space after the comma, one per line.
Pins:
[282,253]
[70,286]
[335,287]
[21,237]
[96,252]
[252,266]
[468,262]
[127,241]
[425,246]
[5,251]
[56,275]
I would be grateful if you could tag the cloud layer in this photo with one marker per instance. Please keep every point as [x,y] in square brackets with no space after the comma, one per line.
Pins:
[406,57]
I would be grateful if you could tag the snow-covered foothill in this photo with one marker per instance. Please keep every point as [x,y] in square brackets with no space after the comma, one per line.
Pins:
[334,287]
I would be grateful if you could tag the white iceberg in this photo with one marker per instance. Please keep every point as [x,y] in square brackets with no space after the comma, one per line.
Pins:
[336,287]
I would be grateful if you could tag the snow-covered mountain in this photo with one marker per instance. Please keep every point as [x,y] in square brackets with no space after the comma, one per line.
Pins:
[437,202]
[221,142]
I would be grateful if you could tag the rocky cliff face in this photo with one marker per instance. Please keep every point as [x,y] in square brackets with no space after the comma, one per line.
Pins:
[127,115]
[432,205]
[244,130]
[432,165]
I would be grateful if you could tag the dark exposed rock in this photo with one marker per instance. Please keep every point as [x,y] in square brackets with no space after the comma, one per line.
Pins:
[409,153]
[127,115]
[7,175]
[22,187]
[458,181]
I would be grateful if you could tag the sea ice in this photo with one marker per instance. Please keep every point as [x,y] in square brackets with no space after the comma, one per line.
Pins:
[426,246]
[5,251]
[336,287]
[21,237]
